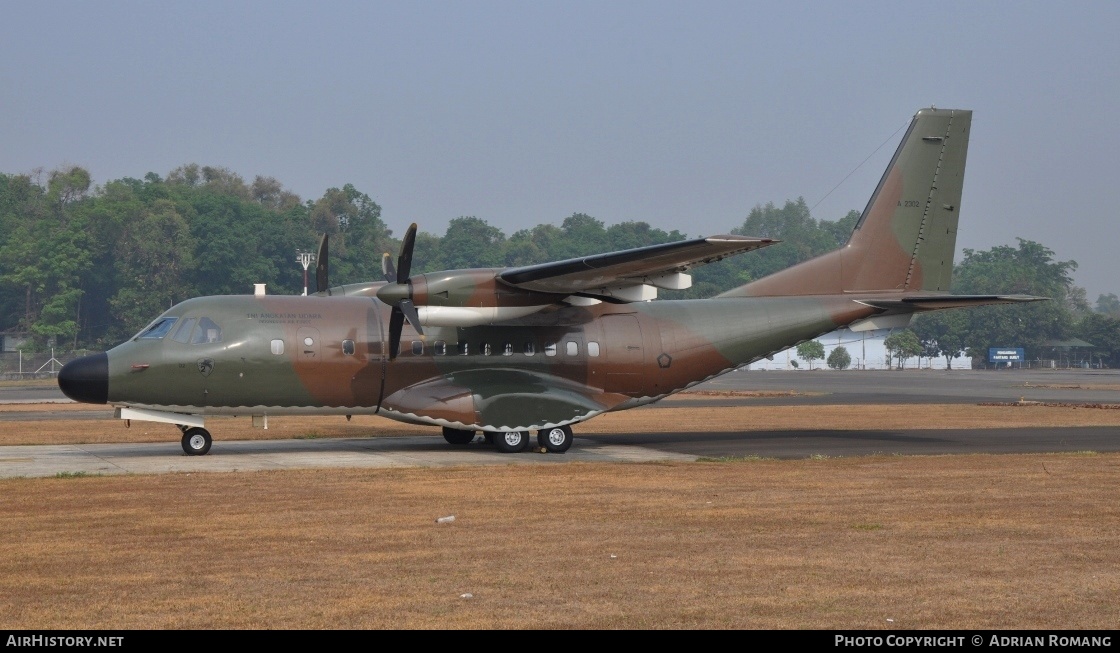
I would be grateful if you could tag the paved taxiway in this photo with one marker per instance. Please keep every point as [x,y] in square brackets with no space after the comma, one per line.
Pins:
[824,387]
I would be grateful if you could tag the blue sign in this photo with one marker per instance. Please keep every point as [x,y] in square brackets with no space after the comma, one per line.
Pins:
[1005,355]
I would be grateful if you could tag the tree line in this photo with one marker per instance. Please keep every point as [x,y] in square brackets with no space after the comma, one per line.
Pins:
[86,266]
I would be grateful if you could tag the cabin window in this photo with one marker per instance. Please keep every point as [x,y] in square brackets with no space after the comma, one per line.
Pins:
[278,347]
[348,347]
[206,332]
[572,348]
[464,348]
[439,347]
[530,348]
[550,349]
[417,347]
[183,333]
[507,349]
[158,329]
[484,348]
[592,348]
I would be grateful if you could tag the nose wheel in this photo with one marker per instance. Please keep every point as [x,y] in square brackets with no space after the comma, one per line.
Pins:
[196,441]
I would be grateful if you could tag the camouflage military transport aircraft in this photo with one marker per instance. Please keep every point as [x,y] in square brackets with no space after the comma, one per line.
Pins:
[538,348]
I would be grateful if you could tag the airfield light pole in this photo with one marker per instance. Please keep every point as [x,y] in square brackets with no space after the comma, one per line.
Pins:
[304,258]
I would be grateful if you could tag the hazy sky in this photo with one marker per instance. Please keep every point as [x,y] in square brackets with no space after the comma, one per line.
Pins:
[682,114]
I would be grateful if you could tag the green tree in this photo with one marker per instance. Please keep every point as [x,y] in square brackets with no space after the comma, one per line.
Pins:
[811,350]
[946,330]
[45,254]
[902,345]
[358,235]
[153,259]
[629,235]
[1109,304]
[839,359]
[471,242]
[1028,269]
[583,235]
[801,237]
[1103,331]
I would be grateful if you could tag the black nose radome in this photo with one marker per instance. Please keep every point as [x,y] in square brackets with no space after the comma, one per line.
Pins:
[86,379]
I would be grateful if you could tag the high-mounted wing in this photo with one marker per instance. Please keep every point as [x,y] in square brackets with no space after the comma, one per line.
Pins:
[633,274]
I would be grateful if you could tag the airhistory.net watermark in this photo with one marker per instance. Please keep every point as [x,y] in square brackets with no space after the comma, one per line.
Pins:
[64,641]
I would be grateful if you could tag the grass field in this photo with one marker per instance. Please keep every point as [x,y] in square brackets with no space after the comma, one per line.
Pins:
[969,542]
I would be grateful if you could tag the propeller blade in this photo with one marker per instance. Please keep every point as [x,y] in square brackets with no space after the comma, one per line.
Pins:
[399,294]
[321,266]
[411,315]
[396,323]
[387,268]
[404,263]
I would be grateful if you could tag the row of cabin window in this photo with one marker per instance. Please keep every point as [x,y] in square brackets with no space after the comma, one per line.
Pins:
[439,348]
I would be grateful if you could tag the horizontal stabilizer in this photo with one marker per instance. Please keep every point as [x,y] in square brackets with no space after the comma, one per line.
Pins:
[898,311]
[918,303]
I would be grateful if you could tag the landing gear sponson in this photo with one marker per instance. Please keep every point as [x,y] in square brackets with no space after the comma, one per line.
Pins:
[557,439]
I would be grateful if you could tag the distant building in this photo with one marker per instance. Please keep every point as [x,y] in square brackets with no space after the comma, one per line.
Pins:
[866,349]
[13,341]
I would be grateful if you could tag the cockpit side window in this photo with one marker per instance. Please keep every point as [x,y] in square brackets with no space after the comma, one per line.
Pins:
[183,333]
[207,331]
[158,329]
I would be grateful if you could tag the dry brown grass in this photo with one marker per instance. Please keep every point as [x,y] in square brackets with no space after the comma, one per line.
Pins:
[968,542]
[1109,387]
[971,542]
[655,419]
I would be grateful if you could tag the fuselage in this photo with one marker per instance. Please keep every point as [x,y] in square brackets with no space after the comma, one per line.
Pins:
[262,355]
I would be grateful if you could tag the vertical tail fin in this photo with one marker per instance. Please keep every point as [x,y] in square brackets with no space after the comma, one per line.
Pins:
[906,237]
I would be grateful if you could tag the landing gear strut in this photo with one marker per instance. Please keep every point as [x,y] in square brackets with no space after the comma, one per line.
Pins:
[196,441]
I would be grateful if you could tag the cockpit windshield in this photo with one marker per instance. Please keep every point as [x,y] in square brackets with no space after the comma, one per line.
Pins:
[157,329]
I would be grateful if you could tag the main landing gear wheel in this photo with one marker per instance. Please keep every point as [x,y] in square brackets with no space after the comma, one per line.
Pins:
[196,441]
[511,441]
[457,436]
[557,439]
